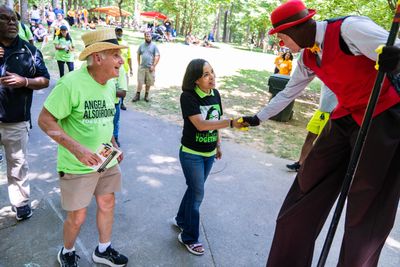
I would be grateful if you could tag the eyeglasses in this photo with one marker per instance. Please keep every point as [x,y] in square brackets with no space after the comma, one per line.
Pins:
[7,19]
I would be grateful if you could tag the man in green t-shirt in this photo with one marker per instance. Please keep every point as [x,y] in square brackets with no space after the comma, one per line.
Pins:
[78,114]
[23,31]
[126,55]
[121,88]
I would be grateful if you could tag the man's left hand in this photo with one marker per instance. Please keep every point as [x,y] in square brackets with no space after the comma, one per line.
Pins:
[120,157]
[131,73]
[252,120]
[13,80]
[152,68]
[389,59]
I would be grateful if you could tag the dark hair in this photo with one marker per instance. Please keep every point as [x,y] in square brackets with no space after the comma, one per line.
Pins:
[284,55]
[194,71]
[67,37]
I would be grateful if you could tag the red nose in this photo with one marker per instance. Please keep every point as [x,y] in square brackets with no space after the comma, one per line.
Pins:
[281,43]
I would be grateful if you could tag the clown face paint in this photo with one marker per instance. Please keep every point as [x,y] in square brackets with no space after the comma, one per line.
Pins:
[288,42]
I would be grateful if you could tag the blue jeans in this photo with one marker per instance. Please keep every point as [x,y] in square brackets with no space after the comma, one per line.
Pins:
[116,121]
[196,169]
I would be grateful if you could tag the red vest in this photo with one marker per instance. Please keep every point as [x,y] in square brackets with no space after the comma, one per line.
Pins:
[350,77]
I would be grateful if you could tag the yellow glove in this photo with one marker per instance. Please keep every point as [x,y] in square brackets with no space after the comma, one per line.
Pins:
[240,120]
[378,50]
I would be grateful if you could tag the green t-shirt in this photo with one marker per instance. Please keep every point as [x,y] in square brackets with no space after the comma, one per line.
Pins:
[63,55]
[24,32]
[85,110]
[120,83]
[125,54]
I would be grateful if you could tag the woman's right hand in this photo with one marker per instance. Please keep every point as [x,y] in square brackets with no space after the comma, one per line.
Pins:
[237,123]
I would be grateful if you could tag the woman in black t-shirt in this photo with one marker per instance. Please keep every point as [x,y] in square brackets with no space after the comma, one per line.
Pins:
[201,111]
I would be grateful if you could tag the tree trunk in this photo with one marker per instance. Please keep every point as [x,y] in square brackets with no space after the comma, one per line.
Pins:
[177,22]
[230,26]
[191,17]
[120,12]
[224,33]
[24,11]
[230,34]
[247,34]
[217,25]
[392,4]
[55,3]
[183,26]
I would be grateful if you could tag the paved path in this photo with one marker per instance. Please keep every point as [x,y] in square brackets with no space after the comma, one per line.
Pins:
[243,195]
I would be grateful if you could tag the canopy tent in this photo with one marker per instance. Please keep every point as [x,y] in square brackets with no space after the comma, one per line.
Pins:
[153,15]
[111,11]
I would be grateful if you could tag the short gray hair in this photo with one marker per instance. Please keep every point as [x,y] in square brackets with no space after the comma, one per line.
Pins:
[89,59]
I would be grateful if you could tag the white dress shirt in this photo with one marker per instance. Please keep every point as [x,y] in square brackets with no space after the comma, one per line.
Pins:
[361,35]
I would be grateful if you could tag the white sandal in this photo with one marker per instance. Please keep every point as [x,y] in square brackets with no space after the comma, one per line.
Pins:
[192,247]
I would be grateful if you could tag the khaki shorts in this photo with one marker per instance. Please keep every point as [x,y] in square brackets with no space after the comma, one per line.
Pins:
[317,122]
[146,77]
[77,189]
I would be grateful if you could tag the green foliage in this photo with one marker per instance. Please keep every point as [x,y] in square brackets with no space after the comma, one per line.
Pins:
[378,10]
[253,16]
[244,17]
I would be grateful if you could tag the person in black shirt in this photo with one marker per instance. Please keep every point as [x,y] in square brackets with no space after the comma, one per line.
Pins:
[201,111]
[22,70]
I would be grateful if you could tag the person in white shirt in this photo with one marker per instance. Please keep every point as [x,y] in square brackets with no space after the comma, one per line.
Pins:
[35,14]
[50,17]
[40,35]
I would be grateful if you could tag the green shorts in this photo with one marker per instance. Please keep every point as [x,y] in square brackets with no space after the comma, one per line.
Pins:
[317,122]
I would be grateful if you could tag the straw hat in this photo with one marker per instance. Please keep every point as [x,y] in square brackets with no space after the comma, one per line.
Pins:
[98,41]
[289,14]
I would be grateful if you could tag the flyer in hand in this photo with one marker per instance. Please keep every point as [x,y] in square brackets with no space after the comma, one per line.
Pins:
[106,153]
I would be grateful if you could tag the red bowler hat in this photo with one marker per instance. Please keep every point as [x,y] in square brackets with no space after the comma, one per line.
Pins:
[289,14]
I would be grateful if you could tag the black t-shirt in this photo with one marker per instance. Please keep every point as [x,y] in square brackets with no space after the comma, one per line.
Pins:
[211,109]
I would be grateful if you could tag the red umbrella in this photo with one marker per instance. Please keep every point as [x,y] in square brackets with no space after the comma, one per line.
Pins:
[153,14]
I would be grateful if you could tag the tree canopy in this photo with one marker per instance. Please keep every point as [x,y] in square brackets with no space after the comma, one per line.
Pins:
[237,20]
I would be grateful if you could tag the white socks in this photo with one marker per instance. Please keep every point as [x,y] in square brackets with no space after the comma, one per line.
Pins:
[65,250]
[103,246]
